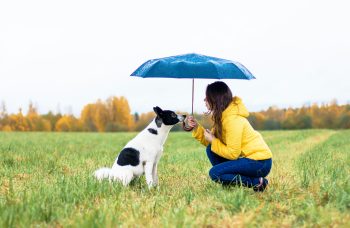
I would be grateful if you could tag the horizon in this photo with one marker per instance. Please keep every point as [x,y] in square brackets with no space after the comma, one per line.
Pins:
[77,114]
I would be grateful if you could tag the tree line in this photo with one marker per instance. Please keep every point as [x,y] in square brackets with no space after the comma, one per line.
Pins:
[114,114]
[328,115]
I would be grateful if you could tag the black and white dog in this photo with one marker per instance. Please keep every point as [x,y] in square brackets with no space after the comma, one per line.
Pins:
[141,155]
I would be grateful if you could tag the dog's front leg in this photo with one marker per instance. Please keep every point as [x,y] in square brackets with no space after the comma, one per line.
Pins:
[155,174]
[148,174]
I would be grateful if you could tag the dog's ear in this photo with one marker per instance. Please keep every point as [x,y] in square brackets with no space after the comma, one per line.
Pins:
[158,111]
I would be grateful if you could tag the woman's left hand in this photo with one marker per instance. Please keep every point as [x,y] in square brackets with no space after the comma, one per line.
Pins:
[208,135]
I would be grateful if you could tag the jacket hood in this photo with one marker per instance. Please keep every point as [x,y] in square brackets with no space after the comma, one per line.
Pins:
[236,107]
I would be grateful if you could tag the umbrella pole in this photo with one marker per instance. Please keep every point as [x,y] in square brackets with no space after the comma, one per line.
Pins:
[192,94]
[184,125]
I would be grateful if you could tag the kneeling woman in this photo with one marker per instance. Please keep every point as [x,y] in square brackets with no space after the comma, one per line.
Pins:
[238,153]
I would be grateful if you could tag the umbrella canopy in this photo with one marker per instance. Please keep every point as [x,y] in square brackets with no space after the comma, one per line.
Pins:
[193,66]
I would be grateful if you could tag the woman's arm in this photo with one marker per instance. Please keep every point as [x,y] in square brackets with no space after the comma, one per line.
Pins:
[198,130]
[198,133]
[233,137]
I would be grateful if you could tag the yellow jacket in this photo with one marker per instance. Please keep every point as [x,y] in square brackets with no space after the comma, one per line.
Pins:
[239,139]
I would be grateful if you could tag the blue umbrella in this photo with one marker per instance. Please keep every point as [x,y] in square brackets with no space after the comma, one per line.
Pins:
[193,66]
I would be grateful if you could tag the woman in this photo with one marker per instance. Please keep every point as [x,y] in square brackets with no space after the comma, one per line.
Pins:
[238,153]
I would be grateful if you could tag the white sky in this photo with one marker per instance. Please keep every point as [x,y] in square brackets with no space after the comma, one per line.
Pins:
[70,53]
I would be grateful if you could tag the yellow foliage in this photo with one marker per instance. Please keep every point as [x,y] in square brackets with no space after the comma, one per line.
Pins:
[68,123]
[7,128]
[18,122]
[95,116]
[37,123]
[120,113]
[100,116]
[114,114]
[87,117]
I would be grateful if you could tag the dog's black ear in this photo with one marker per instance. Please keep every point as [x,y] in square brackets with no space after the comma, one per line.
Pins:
[158,111]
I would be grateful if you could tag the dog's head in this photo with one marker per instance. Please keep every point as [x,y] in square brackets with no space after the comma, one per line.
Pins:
[167,117]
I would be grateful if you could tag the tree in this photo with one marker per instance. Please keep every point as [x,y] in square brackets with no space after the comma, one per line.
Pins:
[52,118]
[3,117]
[17,122]
[87,117]
[315,114]
[257,120]
[68,123]
[119,115]
[302,119]
[35,121]
[136,117]
[101,116]
[271,124]
[289,119]
[344,120]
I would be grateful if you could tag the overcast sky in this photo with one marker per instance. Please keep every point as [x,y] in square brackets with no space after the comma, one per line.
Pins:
[66,54]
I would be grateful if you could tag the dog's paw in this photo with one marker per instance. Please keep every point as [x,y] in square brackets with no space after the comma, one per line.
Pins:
[101,174]
[98,176]
[152,185]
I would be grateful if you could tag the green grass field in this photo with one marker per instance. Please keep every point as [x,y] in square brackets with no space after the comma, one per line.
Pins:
[46,180]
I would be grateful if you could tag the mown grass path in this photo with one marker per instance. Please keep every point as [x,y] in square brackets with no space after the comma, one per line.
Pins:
[46,180]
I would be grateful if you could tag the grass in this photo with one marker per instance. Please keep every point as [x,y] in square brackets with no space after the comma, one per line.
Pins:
[46,180]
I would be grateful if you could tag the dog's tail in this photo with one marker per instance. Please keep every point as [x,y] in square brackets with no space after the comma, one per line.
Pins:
[123,175]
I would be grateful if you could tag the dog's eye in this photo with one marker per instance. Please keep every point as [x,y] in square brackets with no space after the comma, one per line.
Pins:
[173,115]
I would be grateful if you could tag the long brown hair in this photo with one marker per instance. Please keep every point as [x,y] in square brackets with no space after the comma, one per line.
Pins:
[218,96]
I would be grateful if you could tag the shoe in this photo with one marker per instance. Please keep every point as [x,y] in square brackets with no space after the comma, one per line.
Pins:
[261,186]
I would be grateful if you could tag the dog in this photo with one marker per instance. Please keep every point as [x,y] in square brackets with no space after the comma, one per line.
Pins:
[142,154]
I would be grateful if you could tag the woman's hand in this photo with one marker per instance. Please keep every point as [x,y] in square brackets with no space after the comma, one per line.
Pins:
[192,122]
[208,135]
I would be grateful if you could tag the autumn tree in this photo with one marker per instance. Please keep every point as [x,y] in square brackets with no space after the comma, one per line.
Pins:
[101,116]
[302,119]
[257,120]
[68,123]
[119,114]
[17,122]
[344,119]
[87,117]
[315,112]
[35,121]
[52,118]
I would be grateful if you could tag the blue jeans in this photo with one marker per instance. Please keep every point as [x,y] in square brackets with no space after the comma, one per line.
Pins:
[242,171]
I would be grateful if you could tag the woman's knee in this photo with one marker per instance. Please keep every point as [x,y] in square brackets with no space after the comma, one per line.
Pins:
[267,168]
[213,160]
[213,174]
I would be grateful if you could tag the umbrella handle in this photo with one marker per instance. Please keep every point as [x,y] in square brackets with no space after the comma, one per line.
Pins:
[186,128]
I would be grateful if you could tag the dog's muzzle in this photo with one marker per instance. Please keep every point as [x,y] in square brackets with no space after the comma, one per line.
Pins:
[181,117]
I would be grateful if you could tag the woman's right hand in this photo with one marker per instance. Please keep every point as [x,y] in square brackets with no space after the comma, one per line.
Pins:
[192,122]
